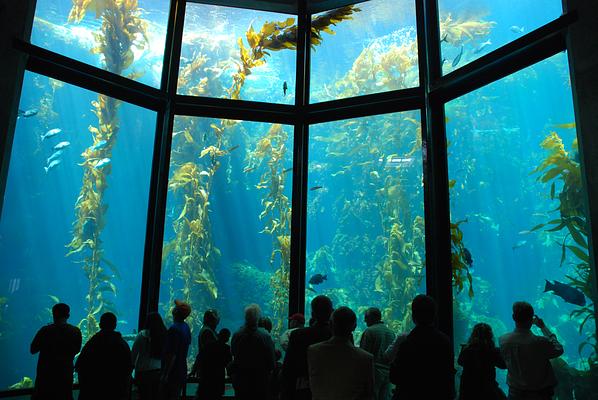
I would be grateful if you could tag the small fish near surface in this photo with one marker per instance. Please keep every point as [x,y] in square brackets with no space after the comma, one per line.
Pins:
[285,87]
[54,156]
[317,279]
[315,188]
[62,145]
[566,292]
[52,165]
[517,29]
[482,47]
[102,163]
[51,133]
[27,113]
[457,59]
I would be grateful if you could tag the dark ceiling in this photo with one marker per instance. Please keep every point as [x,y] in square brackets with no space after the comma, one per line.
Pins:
[282,6]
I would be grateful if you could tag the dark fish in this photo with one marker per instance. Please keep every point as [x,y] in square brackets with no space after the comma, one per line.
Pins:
[317,279]
[467,256]
[235,147]
[285,87]
[458,58]
[444,39]
[566,292]
[315,188]
[311,289]
[287,170]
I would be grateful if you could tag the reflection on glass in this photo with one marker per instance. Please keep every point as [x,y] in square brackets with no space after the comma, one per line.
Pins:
[227,232]
[366,215]
[471,28]
[74,217]
[517,193]
[373,50]
[126,37]
[238,54]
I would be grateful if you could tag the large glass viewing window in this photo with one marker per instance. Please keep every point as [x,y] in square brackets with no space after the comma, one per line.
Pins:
[74,216]
[267,152]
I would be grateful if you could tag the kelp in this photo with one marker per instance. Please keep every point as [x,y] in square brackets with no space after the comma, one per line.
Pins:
[121,30]
[461,273]
[458,32]
[560,166]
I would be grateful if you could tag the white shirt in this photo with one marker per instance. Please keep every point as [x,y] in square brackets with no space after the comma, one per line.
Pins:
[528,359]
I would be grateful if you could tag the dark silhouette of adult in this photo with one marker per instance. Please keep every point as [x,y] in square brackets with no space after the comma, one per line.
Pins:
[104,365]
[529,372]
[295,374]
[375,340]
[57,345]
[337,369]
[173,375]
[208,365]
[253,358]
[479,358]
[147,356]
[423,367]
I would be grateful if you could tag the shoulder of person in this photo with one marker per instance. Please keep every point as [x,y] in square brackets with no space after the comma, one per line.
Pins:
[362,353]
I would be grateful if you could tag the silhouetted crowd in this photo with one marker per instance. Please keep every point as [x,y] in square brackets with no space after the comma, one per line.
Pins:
[320,361]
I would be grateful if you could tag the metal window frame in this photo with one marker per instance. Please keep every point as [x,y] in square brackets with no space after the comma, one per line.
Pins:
[429,98]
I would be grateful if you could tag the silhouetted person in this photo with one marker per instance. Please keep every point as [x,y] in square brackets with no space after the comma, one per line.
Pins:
[265,323]
[146,356]
[423,367]
[295,374]
[208,363]
[479,358]
[104,365]
[530,374]
[296,321]
[173,375]
[375,340]
[227,355]
[57,344]
[337,369]
[253,357]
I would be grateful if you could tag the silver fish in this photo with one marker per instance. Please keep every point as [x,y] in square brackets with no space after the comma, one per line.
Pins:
[52,165]
[102,163]
[517,29]
[62,145]
[27,113]
[51,133]
[482,47]
[54,156]
[458,58]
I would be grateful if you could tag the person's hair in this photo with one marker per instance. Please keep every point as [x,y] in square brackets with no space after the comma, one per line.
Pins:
[61,310]
[211,316]
[224,334]
[344,321]
[373,314]
[481,336]
[321,308]
[423,310]
[108,321]
[523,313]
[252,315]
[265,323]
[157,333]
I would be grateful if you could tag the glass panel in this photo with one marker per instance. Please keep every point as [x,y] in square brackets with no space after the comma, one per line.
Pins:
[471,28]
[124,37]
[365,215]
[238,54]
[373,50]
[513,184]
[227,233]
[76,188]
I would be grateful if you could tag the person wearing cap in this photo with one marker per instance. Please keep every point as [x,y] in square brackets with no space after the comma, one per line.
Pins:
[296,321]
[174,360]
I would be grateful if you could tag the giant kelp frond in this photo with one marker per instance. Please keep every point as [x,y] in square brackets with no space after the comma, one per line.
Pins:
[459,32]
[461,272]
[325,21]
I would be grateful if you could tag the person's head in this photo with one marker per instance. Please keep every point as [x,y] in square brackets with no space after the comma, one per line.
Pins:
[108,322]
[423,310]
[372,316]
[252,315]
[265,323]
[180,311]
[321,308]
[224,335]
[523,314]
[296,320]
[157,333]
[61,313]
[482,336]
[344,322]
[211,318]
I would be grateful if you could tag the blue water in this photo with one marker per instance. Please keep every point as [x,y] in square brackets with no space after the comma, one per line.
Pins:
[228,211]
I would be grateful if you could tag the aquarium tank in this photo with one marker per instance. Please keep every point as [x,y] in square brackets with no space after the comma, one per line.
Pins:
[74,221]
